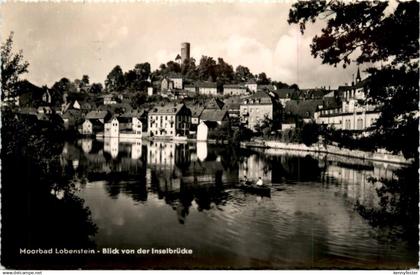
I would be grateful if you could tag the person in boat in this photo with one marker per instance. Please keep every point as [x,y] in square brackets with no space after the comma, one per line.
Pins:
[246,181]
[259,182]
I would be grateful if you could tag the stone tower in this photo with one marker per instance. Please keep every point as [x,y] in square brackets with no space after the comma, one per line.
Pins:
[185,51]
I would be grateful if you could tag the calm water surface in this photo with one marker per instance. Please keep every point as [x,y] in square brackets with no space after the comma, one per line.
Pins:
[165,195]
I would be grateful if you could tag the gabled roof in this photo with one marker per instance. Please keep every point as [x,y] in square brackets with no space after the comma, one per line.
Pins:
[206,84]
[169,109]
[284,93]
[196,110]
[234,86]
[302,108]
[314,93]
[215,103]
[132,113]
[95,122]
[111,118]
[97,115]
[213,115]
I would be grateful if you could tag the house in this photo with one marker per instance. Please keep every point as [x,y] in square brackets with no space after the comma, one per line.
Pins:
[169,121]
[251,85]
[190,88]
[112,127]
[177,82]
[283,95]
[218,116]
[301,109]
[109,99]
[166,84]
[317,93]
[255,108]
[72,118]
[202,131]
[353,113]
[207,88]
[92,126]
[102,116]
[196,111]
[234,90]
[130,123]
[232,105]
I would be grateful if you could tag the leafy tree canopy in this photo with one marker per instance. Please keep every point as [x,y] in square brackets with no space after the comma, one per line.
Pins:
[12,67]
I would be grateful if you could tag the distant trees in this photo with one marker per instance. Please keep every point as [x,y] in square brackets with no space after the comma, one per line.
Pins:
[96,88]
[242,73]
[115,80]
[64,85]
[12,67]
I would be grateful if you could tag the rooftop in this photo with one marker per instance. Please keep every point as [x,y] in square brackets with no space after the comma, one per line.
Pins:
[213,115]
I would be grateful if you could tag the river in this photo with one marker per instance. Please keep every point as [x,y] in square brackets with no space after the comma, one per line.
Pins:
[166,195]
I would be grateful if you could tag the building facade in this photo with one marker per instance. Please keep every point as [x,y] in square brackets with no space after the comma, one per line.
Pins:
[234,90]
[169,121]
[207,88]
[353,113]
[254,109]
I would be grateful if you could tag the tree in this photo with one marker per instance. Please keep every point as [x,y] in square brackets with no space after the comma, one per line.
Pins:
[360,31]
[61,87]
[96,88]
[85,80]
[115,80]
[207,68]
[242,73]
[262,79]
[142,70]
[224,72]
[12,66]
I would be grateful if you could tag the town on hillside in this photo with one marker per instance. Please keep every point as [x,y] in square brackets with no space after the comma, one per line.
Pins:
[175,103]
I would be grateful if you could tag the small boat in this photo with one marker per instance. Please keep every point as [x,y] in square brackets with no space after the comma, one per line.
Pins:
[254,189]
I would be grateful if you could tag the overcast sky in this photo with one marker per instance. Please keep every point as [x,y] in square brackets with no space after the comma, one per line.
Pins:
[70,39]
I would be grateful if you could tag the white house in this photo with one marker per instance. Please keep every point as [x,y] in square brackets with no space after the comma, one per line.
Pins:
[202,131]
[92,126]
[234,90]
[169,121]
[252,85]
[207,88]
[177,82]
[112,127]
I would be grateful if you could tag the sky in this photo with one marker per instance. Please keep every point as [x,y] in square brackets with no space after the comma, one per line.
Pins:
[72,39]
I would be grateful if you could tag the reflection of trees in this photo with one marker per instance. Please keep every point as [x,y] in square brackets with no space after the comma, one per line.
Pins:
[398,205]
[39,207]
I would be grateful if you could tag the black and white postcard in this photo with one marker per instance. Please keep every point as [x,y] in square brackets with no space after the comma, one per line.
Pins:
[210,135]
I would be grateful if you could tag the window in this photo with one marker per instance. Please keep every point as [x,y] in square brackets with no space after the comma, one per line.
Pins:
[360,124]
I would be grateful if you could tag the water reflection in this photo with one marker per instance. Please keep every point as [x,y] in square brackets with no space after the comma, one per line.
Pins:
[144,194]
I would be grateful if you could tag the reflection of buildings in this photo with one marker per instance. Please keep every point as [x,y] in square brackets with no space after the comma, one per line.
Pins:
[254,167]
[355,183]
[161,154]
[201,150]
[111,146]
[86,145]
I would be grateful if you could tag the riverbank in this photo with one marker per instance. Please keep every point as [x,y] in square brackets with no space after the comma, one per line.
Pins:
[380,156]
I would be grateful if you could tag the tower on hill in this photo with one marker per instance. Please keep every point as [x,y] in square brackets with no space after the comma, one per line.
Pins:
[185,51]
